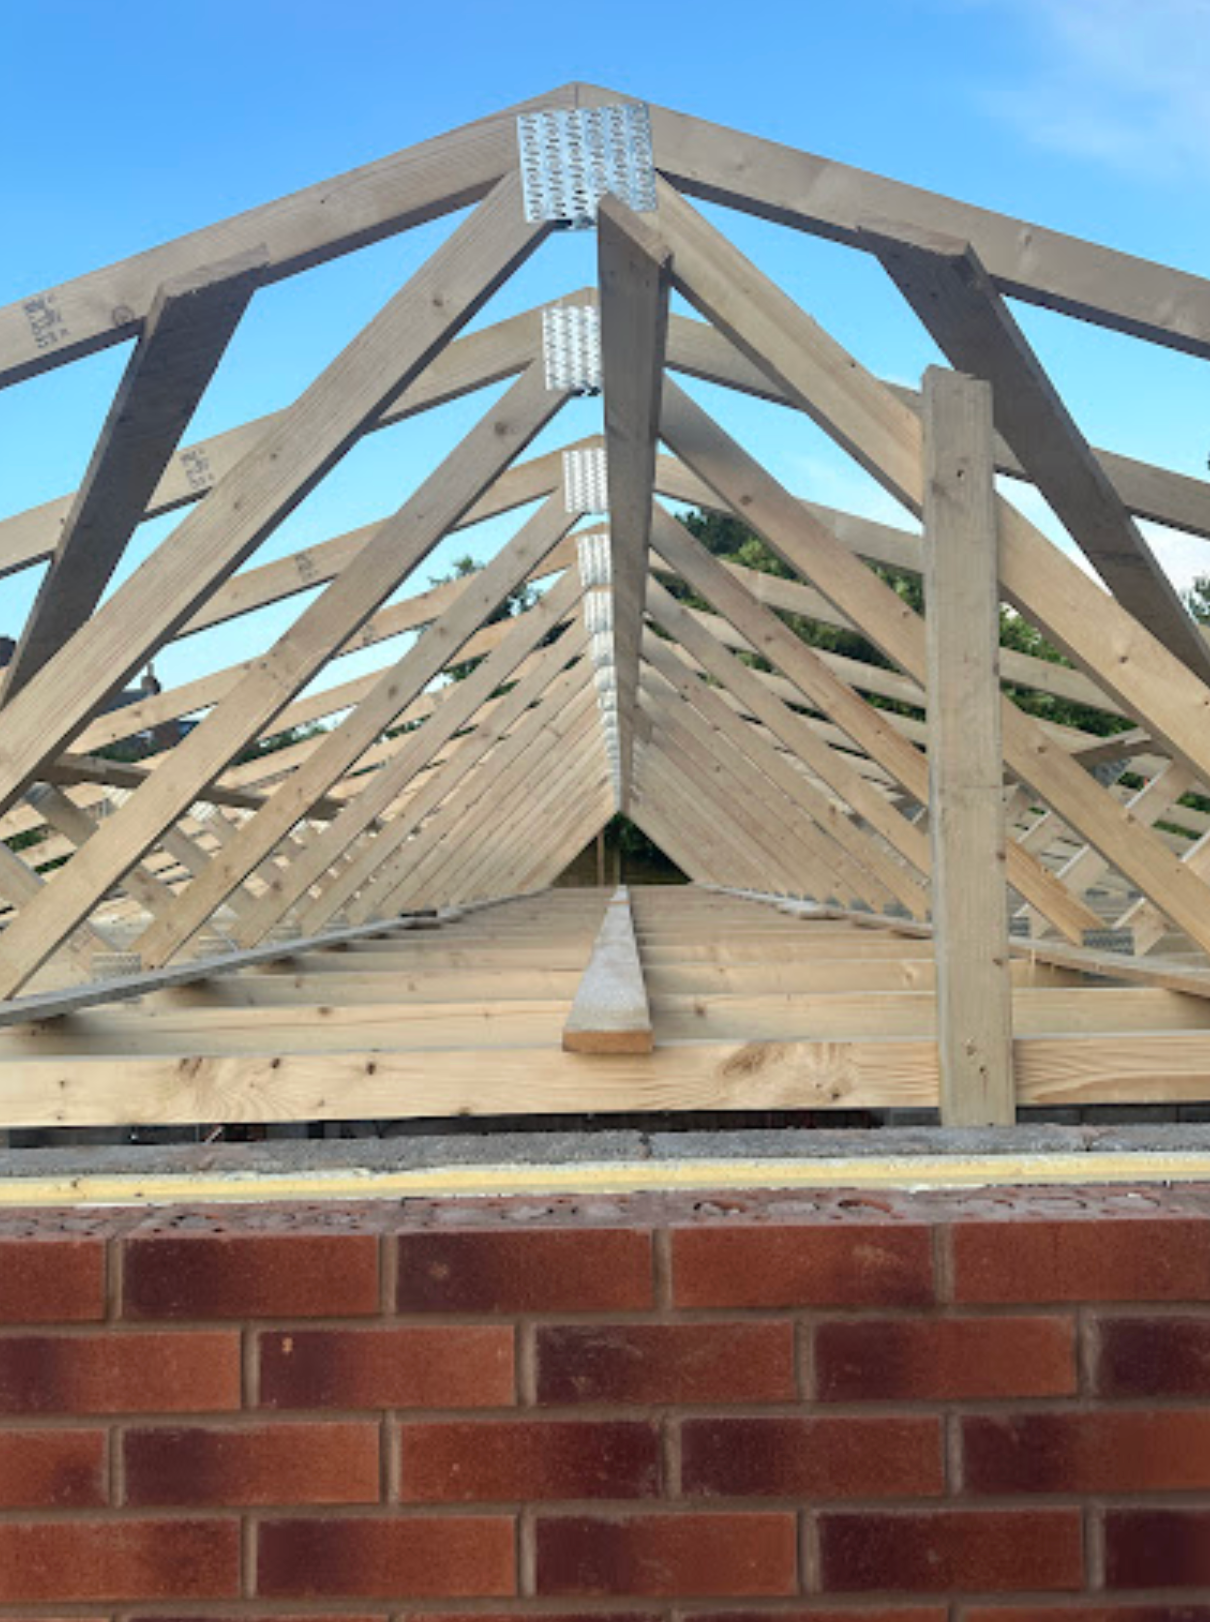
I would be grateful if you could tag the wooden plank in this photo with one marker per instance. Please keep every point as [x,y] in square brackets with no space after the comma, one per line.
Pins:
[460,708]
[439,809]
[1026,260]
[397,687]
[1160,1067]
[50,1005]
[894,626]
[610,1012]
[1052,591]
[866,726]
[850,841]
[188,328]
[966,805]
[276,677]
[633,269]
[283,466]
[1159,493]
[951,292]
[306,228]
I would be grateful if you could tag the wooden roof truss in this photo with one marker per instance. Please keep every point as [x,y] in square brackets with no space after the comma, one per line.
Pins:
[959,819]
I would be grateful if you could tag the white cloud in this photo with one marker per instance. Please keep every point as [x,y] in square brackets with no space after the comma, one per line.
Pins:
[1120,81]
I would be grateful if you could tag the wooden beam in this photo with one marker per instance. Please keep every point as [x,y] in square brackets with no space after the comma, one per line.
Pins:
[63,814]
[1158,493]
[260,491]
[184,338]
[634,326]
[528,406]
[461,705]
[966,804]
[306,228]
[951,292]
[275,678]
[1027,261]
[396,688]
[866,726]
[51,1005]
[826,861]
[792,730]
[885,436]
[610,1012]
[384,875]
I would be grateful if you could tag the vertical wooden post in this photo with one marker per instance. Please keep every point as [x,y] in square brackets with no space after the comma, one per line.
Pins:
[970,902]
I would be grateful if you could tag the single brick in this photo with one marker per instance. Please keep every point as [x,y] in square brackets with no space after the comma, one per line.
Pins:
[858,1264]
[52,1469]
[867,1613]
[942,1359]
[1113,1612]
[539,1270]
[466,1367]
[695,1556]
[1157,1548]
[253,1464]
[1103,1452]
[120,1373]
[52,1280]
[538,1616]
[1152,1357]
[524,1460]
[665,1363]
[456,1556]
[289,1275]
[939,1551]
[65,1562]
[813,1458]
[1081,1260]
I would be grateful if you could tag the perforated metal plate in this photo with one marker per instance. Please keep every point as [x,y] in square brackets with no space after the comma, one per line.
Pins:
[571,348]
[585,487]
[594,555]
[571,157]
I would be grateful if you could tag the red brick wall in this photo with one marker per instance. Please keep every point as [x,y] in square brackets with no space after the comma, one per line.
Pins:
[827,1406]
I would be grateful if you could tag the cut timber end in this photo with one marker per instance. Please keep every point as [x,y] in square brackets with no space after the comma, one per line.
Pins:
[610,1012]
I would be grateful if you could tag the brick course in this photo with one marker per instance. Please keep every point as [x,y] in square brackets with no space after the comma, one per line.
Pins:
[823,1407]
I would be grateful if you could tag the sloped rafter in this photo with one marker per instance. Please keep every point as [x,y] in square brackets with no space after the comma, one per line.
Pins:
[951,292]
[365,583]
[186,333]
[439,646]
[461,709]
[727,287]
[267,484]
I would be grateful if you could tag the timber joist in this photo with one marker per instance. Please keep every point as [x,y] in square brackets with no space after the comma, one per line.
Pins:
[305,896]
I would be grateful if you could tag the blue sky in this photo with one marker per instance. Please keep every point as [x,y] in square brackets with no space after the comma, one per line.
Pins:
[121,126]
